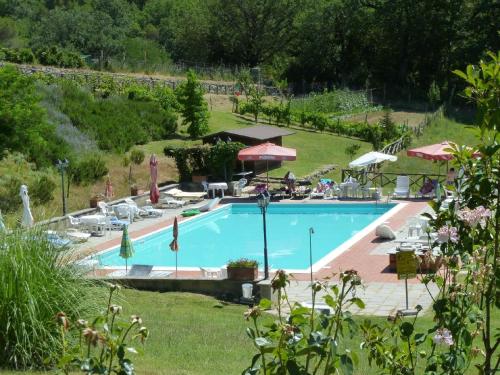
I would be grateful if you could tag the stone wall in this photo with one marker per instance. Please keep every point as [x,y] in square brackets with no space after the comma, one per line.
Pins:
[211,87]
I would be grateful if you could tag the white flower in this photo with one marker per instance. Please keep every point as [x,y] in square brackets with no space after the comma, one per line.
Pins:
[448,233]
[443,336]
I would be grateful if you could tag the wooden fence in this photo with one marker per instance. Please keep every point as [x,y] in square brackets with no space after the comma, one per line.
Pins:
[381,179]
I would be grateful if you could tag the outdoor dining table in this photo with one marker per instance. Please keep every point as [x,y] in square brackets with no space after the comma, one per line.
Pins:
[217,186]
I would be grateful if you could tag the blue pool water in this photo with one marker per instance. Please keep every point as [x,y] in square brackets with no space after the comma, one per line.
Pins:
[236,231]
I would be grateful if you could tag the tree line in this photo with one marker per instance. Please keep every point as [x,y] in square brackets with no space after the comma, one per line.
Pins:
[404,45]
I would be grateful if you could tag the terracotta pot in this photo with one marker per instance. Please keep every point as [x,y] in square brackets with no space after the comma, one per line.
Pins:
[242,274]
[199,178]
[93,202]
[134,191]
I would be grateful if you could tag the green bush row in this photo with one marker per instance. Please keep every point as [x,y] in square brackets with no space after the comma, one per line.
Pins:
[385,131]
[53,56]
[336,101]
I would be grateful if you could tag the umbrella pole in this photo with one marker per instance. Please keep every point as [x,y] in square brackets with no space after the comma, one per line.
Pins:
[267,173]
[176,264]
[126,266]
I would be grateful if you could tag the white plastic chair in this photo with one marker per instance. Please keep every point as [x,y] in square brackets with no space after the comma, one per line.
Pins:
[414,227]
[402,187]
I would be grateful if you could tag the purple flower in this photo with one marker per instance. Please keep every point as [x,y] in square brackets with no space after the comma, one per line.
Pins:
[447,233]
[443,336]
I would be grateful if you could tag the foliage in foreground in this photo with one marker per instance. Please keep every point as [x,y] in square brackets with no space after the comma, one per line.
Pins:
[37,282]
[304,341]
[468,244]
[103,343]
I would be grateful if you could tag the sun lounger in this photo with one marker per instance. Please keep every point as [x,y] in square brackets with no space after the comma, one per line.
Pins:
[76,236]
[140,271]
[171,202]
[145,211]
[186,195]
[213,273]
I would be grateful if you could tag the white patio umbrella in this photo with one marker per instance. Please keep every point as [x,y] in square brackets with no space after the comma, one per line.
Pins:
[27,220]
[370,158]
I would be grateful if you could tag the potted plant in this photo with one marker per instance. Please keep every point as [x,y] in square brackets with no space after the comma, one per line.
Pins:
[134,190]
[242,269]
[94,199]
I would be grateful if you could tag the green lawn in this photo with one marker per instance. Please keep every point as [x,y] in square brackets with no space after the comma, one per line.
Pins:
[190,336]
[314,149]
[442,130]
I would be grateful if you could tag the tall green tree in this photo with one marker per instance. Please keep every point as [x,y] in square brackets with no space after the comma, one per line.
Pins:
[252,32]
[193,106]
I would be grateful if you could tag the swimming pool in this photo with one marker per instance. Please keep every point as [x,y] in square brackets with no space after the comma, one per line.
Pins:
[234,231]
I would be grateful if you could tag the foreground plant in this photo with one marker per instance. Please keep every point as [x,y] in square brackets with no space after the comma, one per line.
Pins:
[36,282]
[303,341]
[102,344]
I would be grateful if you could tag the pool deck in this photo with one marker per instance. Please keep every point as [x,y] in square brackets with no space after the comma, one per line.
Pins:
[383,293]
[362,256]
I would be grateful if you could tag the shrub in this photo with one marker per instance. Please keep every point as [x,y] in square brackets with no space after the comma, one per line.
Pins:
[242,263]
[42,189]
[59,57]
[89,169]
[37,283]
[18,56]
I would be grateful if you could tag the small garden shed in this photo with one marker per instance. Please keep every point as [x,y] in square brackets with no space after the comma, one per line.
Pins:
[252,136]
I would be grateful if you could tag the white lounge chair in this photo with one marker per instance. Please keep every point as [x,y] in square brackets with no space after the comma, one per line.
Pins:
[402,187]
[171,202]
[186,195]
[76,236]
[213,272]
[147,211]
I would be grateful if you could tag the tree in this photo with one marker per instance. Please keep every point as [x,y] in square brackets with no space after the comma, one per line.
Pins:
[193,106]
[23,125]
[252,32]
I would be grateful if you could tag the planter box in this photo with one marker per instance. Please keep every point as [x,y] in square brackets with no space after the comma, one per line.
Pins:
[242,274]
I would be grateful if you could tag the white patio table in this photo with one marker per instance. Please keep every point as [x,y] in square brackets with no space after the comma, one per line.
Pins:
[217,186]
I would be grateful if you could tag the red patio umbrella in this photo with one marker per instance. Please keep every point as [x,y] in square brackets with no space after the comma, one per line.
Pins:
[436,152]
[174,245]
[154,192]
[267,151]
[433,152]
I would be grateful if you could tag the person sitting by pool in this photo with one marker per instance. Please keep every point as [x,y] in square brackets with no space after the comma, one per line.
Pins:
[427,187]
[290,182]
[450,177]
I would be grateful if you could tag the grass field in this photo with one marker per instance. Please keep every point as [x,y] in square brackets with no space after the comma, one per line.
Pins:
[189,335]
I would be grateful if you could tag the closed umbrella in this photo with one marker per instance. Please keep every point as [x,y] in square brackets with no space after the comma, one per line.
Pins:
[126,247]
[27,220]
[267,151]
[174,245]
[154,192]
[2,225]
[108,190]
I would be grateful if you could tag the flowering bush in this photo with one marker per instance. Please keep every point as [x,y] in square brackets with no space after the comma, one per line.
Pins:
[102,344]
